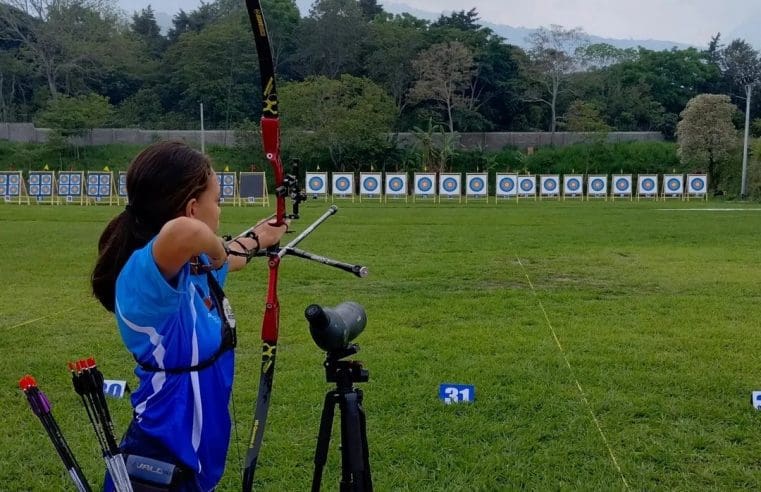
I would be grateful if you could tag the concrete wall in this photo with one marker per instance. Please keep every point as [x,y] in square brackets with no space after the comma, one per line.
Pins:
[26,132]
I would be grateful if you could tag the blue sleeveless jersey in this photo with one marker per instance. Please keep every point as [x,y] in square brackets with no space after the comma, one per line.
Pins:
[172,326]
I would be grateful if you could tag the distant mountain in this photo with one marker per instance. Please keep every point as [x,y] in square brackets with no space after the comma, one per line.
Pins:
[517,35]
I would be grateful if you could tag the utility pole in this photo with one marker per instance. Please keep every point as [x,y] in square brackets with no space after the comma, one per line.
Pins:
[744,185]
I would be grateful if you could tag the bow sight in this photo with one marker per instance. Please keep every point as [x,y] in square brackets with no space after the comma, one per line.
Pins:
[291,187]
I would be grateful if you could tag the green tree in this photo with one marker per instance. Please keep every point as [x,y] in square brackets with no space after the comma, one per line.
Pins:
[395,41]
[706,136]
[348,119]
[331,39]
[554,56]
[148,31]
[584,117]
[444,75]
[69,117]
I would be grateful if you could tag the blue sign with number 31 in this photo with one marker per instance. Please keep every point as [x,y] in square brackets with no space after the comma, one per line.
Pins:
[457,393]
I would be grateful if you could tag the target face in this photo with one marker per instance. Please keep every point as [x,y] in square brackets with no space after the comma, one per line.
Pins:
[573,184]
[507,184]
[648,184]
[673,184]
[342,184]
[527,185]
[371,184]
[622,184]
[550,185]
[697,184]
[425,184]
[396,184]
[477,184]
[450,184]
[316,183]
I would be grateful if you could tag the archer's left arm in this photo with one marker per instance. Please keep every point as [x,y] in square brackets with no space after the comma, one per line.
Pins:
[266,236]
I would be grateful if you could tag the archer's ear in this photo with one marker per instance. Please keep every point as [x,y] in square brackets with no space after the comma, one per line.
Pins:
[190,208]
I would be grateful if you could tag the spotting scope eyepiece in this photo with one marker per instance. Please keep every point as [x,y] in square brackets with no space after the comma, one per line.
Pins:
[333,328]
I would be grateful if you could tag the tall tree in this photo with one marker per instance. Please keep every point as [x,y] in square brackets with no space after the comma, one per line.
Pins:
[554,54]
[67,41]
[444,74]
[331,39]
[146,28]
[370,8]
[395,43]
[706,135]
[349,118]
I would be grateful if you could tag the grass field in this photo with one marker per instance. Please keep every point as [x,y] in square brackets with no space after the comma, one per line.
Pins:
[613,346]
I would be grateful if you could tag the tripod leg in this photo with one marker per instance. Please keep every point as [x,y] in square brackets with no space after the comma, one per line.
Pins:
[352,448]
[365,447]
[323,439]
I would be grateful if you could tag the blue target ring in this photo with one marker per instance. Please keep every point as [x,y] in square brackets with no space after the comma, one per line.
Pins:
[34,179]
[371,184]
[396,184]
[64,179]
[425,184]
[477,184]
[316,183]
[622,184]
[527,185]
[507,185]
[697,184]
[92,190]
[450,184]
[674,184]
[573,184]
[92,179]
[648,184]
[342,184]
[550,185]
[34,189]
[597,184]
[229,179]
[76,179]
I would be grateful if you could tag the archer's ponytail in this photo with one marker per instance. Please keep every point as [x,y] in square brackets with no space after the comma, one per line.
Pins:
[160,182]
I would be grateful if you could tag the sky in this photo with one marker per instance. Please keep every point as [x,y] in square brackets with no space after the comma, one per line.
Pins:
[684,21]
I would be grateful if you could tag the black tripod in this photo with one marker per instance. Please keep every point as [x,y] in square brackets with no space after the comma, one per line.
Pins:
[355,462]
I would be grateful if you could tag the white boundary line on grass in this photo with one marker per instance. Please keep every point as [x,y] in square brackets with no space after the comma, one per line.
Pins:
[573,375]
[40,319]
[710,209]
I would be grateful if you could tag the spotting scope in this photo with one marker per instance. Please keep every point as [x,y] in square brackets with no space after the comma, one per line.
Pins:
[333,328]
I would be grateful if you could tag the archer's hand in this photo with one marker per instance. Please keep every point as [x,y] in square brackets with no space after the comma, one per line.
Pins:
[268,234]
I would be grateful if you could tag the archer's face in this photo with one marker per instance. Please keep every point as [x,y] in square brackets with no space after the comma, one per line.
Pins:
[206,208]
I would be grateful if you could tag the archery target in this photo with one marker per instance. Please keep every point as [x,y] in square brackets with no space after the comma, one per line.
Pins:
[647,185]
[507,185]
[396,184]
[597,185]
[622,185]
[99,185]
[227,185]
[425,184]
[317,183]
[573,184]
[370,184]
[527,185]
[70,184]
[673,184]
[41,184]
[476,184]
[549,185]
[122,190]
[343,183]
[450,184]
[697,184]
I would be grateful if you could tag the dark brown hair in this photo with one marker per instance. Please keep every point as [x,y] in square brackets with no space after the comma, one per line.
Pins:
[160,182]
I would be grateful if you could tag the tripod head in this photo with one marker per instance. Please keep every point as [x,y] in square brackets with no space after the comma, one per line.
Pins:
[345,372]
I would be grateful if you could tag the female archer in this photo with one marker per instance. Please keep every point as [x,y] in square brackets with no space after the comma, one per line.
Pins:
[160,270]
